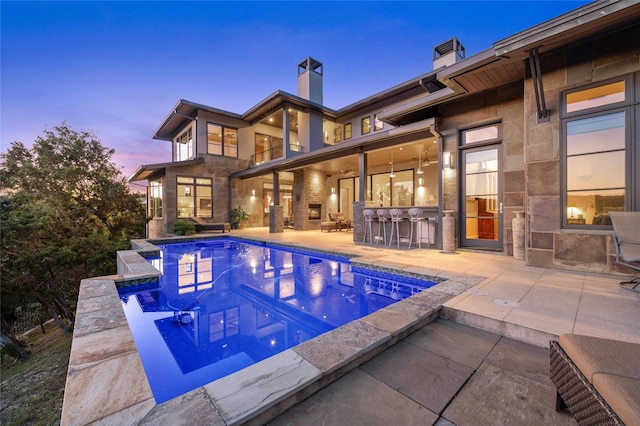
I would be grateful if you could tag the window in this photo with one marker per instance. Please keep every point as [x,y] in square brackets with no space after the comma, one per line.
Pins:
[347,131]
[365,125]
[222,140]
[481,134]
[268,148]
[597,147]
[377,123]
[183,146]
[337,134]
[155,198]
[386,191]
[194,197]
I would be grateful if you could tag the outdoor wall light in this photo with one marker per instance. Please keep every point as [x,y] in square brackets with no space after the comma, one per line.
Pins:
[253,192]
[333,190]
[446,160]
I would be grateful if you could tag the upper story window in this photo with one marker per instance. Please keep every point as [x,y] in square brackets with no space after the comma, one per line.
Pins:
[365,125]
[194,196]
[377,123]
[337,134]
[222,140]
[597,166]
[347,131]
[183,146]
[268,148]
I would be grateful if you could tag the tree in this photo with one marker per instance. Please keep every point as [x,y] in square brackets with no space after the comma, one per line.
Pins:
[64,211]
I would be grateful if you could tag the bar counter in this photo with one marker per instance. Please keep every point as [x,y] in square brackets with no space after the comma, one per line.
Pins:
[424,234]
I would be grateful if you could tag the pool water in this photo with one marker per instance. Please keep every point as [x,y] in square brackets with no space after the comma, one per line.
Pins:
[223,305]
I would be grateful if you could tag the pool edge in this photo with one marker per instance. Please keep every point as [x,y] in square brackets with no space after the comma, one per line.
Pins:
[134,406]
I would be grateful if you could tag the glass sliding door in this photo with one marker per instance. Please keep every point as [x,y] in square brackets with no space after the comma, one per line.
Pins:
[481,208]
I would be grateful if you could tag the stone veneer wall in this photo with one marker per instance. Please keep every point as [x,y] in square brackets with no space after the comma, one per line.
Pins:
[548,245]
[215,167]
[309,187]
[503,105]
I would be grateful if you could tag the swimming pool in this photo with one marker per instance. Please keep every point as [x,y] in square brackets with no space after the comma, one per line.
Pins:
[224,304]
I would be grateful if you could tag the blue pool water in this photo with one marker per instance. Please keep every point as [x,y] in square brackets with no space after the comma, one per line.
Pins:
[222,305]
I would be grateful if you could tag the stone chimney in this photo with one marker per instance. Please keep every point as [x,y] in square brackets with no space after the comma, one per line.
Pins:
[447,53]
[310,80]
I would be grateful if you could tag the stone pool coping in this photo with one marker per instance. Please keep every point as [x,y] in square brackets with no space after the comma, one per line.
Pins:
[106,383]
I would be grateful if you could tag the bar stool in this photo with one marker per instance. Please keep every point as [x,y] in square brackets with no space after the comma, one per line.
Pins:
[368,219]
[415,217]
[383,218]
[396,218]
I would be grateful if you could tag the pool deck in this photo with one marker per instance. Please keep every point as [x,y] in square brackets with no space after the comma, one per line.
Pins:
[471,351]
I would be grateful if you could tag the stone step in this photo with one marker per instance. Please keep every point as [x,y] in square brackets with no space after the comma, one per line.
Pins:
[503,328]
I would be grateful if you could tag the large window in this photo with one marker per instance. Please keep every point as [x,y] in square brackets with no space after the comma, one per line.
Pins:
[268,148]
[194,197]
[222,140]
[386,191]
[597,146]
[155,198]
[183,146]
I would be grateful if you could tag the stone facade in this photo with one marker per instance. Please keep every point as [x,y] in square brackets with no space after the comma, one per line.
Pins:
[548,245]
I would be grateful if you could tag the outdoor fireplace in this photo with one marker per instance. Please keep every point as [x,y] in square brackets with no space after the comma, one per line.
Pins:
[315,211]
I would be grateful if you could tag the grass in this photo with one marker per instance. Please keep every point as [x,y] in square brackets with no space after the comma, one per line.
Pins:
[32,390]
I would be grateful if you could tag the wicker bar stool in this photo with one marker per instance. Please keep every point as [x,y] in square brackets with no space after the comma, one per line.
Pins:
[396,218]
[383,219]
[368,219]
[415,217]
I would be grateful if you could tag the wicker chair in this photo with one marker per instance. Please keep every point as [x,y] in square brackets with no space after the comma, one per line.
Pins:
[626,234]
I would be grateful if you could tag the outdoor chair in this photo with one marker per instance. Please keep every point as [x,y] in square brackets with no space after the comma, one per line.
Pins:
[626,235]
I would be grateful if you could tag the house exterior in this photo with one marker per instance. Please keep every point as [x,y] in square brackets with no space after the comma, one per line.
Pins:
[545,122]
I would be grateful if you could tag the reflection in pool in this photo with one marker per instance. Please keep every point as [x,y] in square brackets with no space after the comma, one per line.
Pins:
[222,305]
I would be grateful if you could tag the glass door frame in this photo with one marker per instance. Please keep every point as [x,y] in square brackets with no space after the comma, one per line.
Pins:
[481,243]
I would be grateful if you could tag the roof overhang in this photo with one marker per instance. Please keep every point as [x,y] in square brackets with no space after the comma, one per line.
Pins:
[147,171]
[181,114]
[505,62]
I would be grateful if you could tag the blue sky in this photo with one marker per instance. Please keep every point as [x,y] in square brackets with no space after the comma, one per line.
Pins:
[117,68]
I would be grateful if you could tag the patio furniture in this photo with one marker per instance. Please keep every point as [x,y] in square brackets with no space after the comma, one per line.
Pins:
[626,235]
[415,217]
[368,220]
[329,226]
[396,218]
[343,222]
[597,379]
[383,219]
[203,226]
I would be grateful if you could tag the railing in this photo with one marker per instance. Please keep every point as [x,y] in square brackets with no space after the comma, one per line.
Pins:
[266,155]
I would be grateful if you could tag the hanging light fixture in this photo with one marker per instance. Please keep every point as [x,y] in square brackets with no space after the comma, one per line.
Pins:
[392,175]
[419,162]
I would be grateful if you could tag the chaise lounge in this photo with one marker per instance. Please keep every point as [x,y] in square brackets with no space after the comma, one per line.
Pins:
[597,379]
[204,226]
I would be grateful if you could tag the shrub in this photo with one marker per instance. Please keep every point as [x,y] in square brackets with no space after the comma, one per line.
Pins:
[183,227]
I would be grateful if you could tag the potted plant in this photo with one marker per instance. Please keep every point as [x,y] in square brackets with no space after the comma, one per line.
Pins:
[238,215]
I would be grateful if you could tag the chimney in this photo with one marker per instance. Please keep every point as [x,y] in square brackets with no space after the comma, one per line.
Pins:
[447,53]
[310,80]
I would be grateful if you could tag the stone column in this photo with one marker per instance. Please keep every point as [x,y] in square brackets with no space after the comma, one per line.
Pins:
[276,219]
[517,223]
[449,232]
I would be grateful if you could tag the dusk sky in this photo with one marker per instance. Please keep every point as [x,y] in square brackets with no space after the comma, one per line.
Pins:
[118,68]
